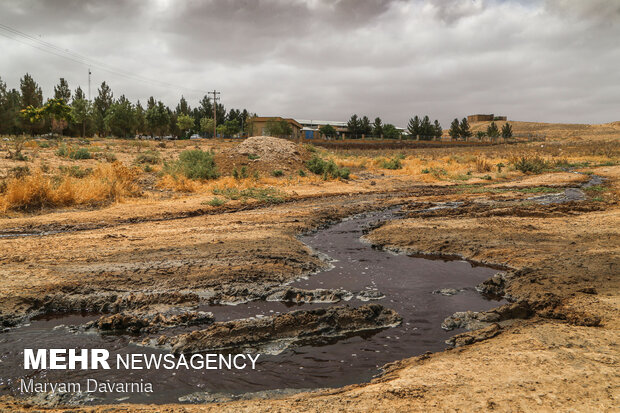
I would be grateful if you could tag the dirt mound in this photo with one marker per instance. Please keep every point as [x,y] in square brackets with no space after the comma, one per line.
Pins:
[262,154]
[269,149]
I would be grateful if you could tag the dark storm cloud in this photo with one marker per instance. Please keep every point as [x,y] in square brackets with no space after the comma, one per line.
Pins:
[530,59]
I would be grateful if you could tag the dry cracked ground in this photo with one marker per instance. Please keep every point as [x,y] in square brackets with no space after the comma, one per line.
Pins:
[563,260]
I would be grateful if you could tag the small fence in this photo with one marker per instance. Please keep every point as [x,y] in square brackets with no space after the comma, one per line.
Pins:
[444,142]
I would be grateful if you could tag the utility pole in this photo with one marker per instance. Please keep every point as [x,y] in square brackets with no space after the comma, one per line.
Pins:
[89,73]
[215,99]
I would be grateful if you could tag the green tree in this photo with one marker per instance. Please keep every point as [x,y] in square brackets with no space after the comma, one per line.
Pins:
[492,131]
[120,118]
[206,126]
[413,127]
[81,112]
[328,131]
[183,107]
[507,130]
[157,119]
[10,102]
[354,126]
[59,112]
[32,95]
[232,127]
[455,129]
[101,105]
[390,132]
[465,130]
[278,128]
[79,94]
[438,129]
[426,129]
[62,91]
[185,122]
[377,127]
[140,116]
[365,126]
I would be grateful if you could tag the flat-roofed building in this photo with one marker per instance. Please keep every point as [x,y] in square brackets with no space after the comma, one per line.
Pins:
[311,127]
[260,126]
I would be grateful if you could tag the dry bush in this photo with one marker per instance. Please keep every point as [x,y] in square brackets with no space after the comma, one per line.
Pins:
[482,165]
[107,183]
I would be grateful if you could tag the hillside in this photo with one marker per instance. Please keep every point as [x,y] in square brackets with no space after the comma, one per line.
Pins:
[573,131]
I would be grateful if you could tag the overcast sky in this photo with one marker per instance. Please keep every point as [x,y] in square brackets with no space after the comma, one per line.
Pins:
[538,60]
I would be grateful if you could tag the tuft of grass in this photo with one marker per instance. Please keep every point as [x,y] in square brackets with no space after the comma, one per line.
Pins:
[482,165]
[328,169]
[75,171]
[436,172]
[215,202]
[253,156]
[240,174]
[597,188]
[538,190]
[277,173]
[302,173]
[19,171]
[270,195]
[73,153]
[150,157]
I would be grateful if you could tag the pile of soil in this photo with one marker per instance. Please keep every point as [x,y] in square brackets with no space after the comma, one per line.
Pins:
[262,154]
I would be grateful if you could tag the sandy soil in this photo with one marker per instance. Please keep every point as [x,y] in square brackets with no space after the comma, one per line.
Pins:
[565,259]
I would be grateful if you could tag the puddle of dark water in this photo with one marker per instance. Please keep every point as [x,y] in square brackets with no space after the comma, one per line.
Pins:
[407,283]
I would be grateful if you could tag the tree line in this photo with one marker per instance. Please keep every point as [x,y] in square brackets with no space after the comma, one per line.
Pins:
[22,110]
[461,130]
[362,126]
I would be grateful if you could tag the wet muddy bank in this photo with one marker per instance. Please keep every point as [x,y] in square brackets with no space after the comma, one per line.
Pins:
[336,353]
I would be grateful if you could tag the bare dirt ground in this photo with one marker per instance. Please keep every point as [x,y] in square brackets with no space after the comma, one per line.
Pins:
[563,261]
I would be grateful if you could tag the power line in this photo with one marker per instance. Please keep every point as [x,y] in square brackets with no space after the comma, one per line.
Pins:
[215,99]
[26,39]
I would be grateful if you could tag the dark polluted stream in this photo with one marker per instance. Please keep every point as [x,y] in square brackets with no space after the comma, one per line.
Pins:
[407,284]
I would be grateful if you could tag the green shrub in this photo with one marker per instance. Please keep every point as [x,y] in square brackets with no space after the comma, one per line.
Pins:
[241,174]
[277,172]
[436,172]
[76,171]
[253,156]
[194,164]
[148,157]
[328,169]
[19,172]
[109,156]
[302,173]
[216,202]
[80,153]
[533,165]
[62,151]
[393,163]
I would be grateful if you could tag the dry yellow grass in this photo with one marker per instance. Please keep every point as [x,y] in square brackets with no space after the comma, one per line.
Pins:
[107,183]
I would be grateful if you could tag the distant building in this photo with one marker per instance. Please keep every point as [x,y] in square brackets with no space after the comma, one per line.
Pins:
[485,118]
[259,125]
[311,127]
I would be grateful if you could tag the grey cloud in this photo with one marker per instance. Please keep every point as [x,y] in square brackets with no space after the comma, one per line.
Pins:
[596,10]
[529,59]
